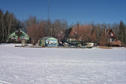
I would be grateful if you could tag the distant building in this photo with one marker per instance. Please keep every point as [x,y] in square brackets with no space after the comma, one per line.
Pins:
[18,36]
[112,39]
[48,42]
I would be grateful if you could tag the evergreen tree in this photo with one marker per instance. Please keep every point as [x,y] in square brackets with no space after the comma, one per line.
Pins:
[122,32]
[1,25]
[8,24]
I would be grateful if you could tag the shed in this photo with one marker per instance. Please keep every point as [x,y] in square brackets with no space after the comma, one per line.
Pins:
[48,42]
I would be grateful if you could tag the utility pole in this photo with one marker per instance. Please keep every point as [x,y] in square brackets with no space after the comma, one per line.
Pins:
[78,26]
[48,10]
[49,26]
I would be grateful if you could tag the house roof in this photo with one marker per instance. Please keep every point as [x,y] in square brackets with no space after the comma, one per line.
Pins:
[22,36]
[48,37]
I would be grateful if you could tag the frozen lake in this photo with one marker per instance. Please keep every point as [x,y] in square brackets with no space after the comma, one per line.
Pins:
[62,66]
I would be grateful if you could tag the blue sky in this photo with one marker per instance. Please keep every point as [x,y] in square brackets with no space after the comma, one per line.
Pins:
[73,11]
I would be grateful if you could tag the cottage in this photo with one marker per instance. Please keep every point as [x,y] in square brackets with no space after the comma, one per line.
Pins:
[48,42]
[112,39]
[18,36]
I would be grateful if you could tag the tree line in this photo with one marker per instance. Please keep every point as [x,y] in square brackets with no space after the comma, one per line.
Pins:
[8,24]
[38,29]
[59,29]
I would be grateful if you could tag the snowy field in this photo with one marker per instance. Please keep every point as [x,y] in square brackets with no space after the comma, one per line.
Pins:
[62,66]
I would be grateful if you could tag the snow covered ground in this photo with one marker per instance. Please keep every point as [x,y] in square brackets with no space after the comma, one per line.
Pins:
[62,66]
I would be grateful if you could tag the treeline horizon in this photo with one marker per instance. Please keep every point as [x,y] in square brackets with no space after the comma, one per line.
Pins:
[59,29]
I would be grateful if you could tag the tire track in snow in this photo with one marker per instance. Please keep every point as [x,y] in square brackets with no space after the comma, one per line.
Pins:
[4,82]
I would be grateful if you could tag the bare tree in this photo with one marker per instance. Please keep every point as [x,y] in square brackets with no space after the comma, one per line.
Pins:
[84,33]
[36,31]
[58,29]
